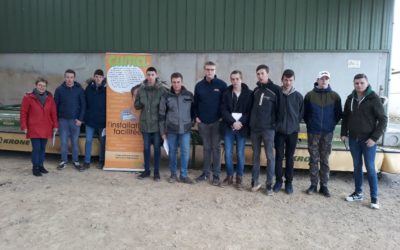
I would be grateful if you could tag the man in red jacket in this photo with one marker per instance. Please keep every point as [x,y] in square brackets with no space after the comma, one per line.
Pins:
[38,121]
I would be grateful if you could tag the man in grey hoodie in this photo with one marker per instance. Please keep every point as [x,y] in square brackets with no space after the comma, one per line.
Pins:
[287,131]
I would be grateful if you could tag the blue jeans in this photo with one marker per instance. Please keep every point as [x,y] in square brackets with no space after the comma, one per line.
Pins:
[89,140]
[358,149]
[174,141]
[68,129]
[38,151]
[155,139]
[229,138]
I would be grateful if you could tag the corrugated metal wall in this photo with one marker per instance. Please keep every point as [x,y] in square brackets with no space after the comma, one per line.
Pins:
[195,25]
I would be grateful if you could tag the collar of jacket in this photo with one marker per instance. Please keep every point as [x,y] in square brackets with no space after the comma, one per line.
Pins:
[205,79]
[243,87]
[318,90]
[264,85]
[76,84]
[183,91]
[367,92]
[156,85]
[292,90]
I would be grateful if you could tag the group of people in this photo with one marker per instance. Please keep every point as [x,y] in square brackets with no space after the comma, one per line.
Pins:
[269,115]
[42,115]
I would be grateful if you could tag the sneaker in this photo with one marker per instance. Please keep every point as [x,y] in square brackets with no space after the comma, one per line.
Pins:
[62,165]
[374,203]
[228,180]
[288,188]
[277,186]
[100,165]
[202,177]
[143,175]
[157,177]
[324,191]
[216,181]
[186,180]
[86,165]
[268,190]
[36,171]
[255,187]
[355,197]
[172,179]
[312,189]
[43,170]
[78,166]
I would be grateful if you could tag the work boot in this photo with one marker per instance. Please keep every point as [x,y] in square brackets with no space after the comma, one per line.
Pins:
[143,175]
[36,171]
[312,189]
[43,170]
[239,184]
[228,180]
[324,191]
[277,187]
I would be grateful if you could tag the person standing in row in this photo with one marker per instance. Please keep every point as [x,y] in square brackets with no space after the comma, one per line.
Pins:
[287,131]
[265,116]
[176,119]
[95,116]
[207,100]
[71,106]
[148,101]
[235,109]
[364,121]
[322,111]
[38,120]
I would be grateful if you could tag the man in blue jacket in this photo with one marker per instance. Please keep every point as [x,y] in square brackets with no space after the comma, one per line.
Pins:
[322,111]
[71,105]
[207,99]
[95,116]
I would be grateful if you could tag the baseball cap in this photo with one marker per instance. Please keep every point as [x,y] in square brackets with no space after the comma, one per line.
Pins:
[324,73]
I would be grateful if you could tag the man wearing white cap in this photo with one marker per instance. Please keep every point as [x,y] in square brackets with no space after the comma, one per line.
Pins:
[322,111]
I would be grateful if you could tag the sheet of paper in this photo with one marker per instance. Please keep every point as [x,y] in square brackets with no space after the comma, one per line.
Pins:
[54,139]
[165,146]
[237,116]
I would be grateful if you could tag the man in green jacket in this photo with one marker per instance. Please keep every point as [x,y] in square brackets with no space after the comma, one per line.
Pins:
[148,100]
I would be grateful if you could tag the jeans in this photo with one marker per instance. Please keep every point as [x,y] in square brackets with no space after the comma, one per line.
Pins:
[210,135]
[359,149]
[182,141]
[229,138]
[68,129]
[267,137]
[38,151]
[89,140]
[319,148]
[285,146]
[155,139]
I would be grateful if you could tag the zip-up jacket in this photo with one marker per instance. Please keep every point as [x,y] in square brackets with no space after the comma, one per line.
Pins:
[365,118]
[70,101]
[322,110]
[266,109]
[148,101]
[95,115]
[292,108]
[40,119]
[175,113]
[243,106]
[207,99]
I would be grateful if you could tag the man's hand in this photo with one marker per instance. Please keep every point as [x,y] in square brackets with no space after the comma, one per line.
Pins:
[55,130]
[370,143]
[198,120]
[164,136]
[78,123]
[26,131]
[344,138]
[237,125]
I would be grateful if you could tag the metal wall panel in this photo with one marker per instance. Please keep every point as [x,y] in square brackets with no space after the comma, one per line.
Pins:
[195,25]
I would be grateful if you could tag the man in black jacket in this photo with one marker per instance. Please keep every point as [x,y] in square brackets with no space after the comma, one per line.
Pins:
[235,109]
[364,121]
[265,115]
[287,131]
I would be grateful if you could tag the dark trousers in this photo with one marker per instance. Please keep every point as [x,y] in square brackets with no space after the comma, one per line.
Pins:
[210,134]
[38,151]
[285,146]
